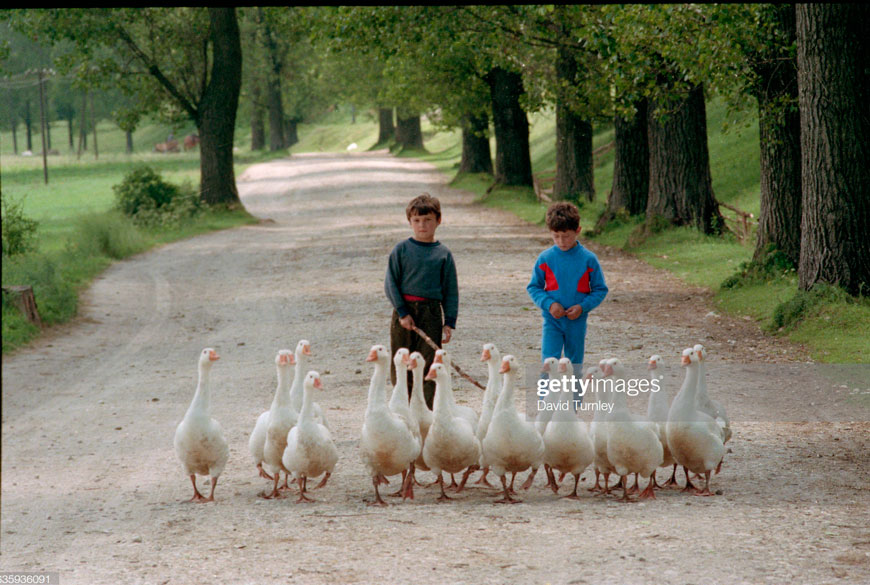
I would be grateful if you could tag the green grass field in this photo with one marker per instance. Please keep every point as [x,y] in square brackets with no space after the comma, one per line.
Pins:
[79,234]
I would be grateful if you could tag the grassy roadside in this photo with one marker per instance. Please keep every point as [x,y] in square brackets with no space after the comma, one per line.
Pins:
[79,233]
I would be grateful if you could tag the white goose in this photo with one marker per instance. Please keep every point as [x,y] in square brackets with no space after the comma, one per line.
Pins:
[598,430]
[302,353]
[706,404]
[466,412]
[633,445]
[550,366]
[400,406]
[310,450]
[511,444]
[256,443]
[657,412]
[567,446]
[388,445]
[199,439]
[419,410]
[695,439]
[492,357]
[451,444]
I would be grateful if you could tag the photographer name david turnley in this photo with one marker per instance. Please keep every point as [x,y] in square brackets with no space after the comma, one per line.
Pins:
[580,386]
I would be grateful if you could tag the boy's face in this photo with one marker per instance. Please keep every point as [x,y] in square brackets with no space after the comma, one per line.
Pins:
[424,227]
[565,240]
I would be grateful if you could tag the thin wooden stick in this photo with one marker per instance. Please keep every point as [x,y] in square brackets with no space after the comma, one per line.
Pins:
[434,346]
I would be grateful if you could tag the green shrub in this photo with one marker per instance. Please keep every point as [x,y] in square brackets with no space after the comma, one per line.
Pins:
[107,234]
[184,205]
[143,186]
[19,232]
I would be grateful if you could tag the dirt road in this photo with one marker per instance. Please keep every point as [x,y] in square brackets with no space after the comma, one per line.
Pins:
[91,487]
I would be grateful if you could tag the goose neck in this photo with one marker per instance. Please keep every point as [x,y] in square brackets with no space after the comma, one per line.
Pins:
[202,397]
[378,386]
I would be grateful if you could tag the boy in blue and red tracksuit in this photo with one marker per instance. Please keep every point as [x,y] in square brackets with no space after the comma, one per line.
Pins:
[567,283]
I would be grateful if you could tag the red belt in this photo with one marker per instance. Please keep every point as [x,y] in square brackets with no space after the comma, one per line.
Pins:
[413,298]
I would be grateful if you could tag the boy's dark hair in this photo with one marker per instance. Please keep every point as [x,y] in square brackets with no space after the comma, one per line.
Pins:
[423,204]
[563,216]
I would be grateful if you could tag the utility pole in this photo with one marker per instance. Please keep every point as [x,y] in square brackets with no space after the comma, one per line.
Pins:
[42,124]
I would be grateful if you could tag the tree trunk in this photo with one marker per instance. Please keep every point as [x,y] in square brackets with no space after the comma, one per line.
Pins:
[15,136]
[386,129]
[258,128]
[218,110]
[276,115]
[277,140]
[833,60]
[680,189]
[28,124]
[291,134]
[513,163]
[574,166]
[69,123]
[779,223]
[630,186]
[129,136]
[408,132]
[476,155]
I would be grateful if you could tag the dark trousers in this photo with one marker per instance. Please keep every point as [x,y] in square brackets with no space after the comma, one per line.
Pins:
[427,316]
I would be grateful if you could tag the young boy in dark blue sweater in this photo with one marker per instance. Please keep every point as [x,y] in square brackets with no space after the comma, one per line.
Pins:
[567,283]
[421,284]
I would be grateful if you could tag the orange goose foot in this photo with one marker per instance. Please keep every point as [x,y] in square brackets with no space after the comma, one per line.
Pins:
[507,499]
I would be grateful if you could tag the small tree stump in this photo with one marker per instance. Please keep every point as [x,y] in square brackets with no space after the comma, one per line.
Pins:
[22,298]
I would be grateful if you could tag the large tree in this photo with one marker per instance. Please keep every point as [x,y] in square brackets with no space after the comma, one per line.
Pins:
[776,89]
[833,60]
[188,59]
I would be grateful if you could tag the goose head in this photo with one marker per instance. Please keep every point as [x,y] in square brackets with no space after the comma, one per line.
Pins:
[689,357]
[508,364]
[654,361]
[592,372]
[401,359]
[303,348]
[207,356]
[563,365]
[490,352]
[700,351]
[612,367]
[441,357]
[379,354]
[312,380]
[437,371]
[285,358]
[550,365]
[416,362]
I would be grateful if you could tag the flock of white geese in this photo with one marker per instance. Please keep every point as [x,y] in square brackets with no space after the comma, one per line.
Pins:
[401,435]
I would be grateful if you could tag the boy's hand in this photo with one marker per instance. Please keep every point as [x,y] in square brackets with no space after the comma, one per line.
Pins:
[407,322]
[557,311]
[574,312]
[448,333]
